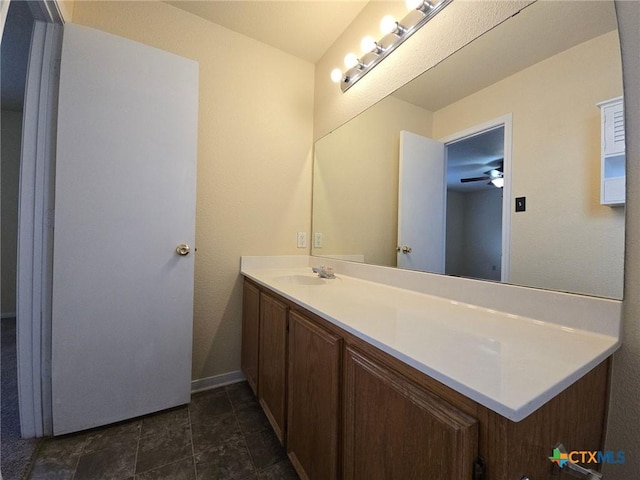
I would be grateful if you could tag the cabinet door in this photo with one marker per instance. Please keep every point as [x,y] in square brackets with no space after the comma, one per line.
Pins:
[394,429]
[273,361]
[613,128]
[250,334]
[314,399]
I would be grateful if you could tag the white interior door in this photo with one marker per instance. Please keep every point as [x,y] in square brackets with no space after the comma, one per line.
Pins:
[124,199]
[421,204]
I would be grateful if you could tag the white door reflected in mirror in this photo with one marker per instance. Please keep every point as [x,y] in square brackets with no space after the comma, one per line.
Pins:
[421,200]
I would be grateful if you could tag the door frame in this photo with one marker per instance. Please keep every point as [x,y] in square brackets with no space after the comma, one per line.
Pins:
[505,121]
[35,224]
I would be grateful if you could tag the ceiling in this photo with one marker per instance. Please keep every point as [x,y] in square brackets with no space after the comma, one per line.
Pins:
[307,28]
[303,28]
[556,26]
[473,157]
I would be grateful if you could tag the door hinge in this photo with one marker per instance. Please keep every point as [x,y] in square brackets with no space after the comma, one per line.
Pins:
[479,469]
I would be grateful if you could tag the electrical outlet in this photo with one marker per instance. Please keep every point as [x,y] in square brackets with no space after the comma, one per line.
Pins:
[317,240]
[302,239]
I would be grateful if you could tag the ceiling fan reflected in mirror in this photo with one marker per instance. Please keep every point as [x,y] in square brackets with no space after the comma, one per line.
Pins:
[495,176]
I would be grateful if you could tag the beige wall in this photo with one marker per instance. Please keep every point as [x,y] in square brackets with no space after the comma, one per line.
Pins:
[556,166]
[254,159]
[355,183]
[11,124]
[624,408]
[66,9]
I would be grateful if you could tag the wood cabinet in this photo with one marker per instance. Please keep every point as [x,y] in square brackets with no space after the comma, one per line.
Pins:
[345,409]
[395,429]
[250,334]
[314,399]
[272,367]
[576,417]
[613,176]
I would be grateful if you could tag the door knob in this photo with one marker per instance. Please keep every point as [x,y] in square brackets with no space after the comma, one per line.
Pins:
[406,249]
[182,249]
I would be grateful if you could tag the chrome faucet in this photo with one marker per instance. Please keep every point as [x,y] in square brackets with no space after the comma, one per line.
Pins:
[324,272]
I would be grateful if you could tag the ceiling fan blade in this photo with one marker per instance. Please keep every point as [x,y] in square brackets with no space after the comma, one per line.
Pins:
[474,179]
[499,167]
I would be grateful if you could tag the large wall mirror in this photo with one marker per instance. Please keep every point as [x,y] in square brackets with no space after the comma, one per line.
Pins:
[427,179]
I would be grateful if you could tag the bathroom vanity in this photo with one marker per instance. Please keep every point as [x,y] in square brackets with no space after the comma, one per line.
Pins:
[362,379]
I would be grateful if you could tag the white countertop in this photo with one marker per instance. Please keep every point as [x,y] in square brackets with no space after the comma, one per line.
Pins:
[509,363]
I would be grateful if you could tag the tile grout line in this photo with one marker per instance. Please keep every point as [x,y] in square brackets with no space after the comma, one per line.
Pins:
[244,441]
[135,461]
[237,403]
[159,467]
[159,433]
[75,469]
[193,450]
[243,435]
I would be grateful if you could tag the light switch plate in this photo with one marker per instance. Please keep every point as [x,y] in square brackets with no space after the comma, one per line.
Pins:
[302,239]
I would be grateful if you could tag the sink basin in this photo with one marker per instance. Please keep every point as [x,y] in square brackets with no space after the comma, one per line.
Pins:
[301,279]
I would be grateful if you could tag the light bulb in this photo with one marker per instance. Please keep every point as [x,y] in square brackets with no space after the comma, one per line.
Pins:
[498,182]
[388,24]
[413,4]
[368,44]
[336,75]
[351,60]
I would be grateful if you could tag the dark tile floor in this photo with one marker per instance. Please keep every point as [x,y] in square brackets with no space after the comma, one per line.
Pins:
[221,434]
[15,452]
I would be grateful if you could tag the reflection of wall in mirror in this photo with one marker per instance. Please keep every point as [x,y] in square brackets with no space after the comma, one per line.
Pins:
[358,213]
[565,240]
[474,234]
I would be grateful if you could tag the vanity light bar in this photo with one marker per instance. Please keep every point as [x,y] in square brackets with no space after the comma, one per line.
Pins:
[398,33]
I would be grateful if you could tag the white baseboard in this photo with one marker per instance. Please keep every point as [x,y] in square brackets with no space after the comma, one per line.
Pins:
[8,315]
[208,383]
